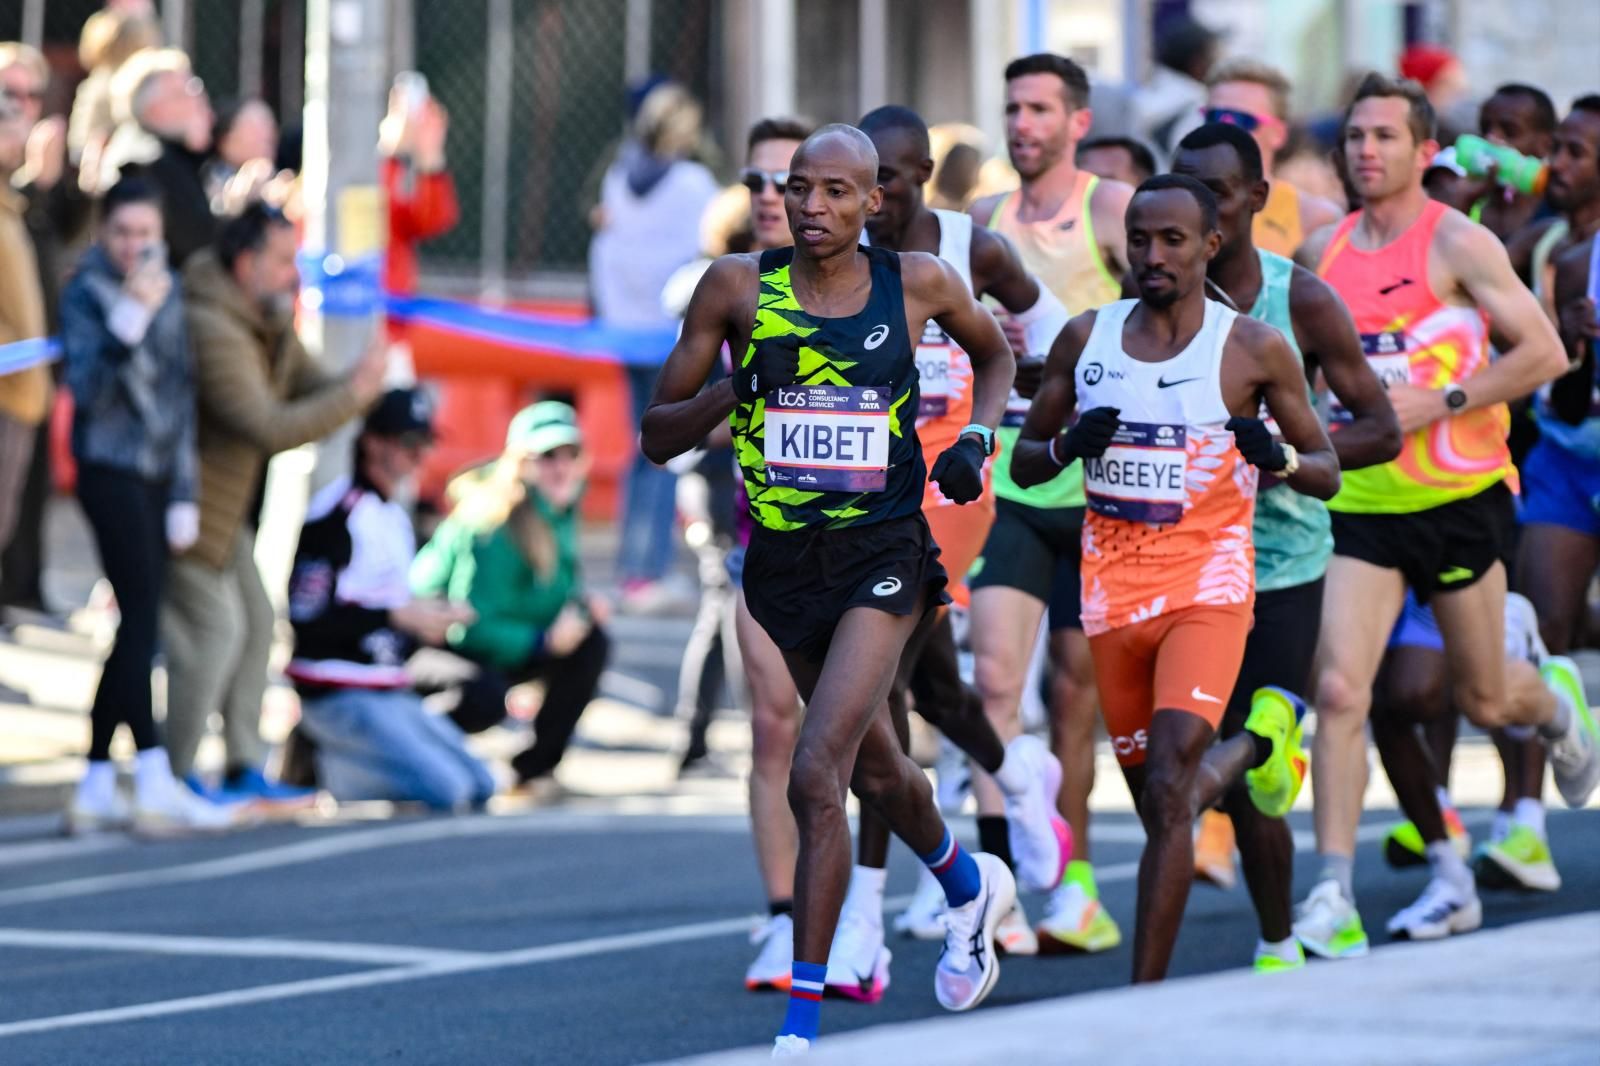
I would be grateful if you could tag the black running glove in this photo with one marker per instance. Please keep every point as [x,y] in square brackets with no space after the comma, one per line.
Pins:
[1255,443]
[1089,436]
[959,471]
[775,362]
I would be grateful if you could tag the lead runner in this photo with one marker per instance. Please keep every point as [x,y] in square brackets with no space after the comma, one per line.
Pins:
[841,569]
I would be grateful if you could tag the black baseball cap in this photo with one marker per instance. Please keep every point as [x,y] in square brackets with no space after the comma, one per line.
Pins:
[401,412]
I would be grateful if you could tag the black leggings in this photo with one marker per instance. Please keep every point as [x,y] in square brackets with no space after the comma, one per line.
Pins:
[128,517]
[570,683]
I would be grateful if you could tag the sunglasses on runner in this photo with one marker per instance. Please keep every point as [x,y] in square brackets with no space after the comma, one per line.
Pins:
[1248,121]
[757,180]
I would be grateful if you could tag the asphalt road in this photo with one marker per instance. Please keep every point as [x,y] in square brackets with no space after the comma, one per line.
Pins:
[546,938]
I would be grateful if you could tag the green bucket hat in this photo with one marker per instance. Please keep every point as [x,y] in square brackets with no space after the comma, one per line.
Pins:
[544,427]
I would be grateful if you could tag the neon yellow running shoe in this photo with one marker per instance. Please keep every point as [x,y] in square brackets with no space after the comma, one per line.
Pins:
[1574,757]
[1520,860]
[1267,962]
[1074,922]
[1329,925]
[1404,845]
[1275,714]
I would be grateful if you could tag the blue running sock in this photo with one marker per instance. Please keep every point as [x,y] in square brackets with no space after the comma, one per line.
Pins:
[955,871]
[805,999]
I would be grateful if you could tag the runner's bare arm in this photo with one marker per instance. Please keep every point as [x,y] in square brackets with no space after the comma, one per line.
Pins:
[1327,335]
[1057,398]
[1311,250]
[1580,332]
[681,412]
[1283,389]
[937,290]
[1108,211]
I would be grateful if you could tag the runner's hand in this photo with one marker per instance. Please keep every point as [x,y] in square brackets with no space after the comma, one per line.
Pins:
[1090,435]
[775,362]
[1255,443]
[959,471]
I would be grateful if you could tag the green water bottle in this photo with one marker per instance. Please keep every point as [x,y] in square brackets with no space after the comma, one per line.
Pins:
[1523,173]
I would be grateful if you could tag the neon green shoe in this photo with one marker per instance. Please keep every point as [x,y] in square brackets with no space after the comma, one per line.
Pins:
[1520,860]
[1267,962]
[1575,757]
[1275,714]
[1329,925]
[1405,847]
[1075,922]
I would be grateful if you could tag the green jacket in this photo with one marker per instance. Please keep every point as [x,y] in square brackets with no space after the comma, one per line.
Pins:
[485,568]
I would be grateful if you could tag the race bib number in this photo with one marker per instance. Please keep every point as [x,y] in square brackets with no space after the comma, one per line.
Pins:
[934,357]
[1386,355]
[1140,478]
[828,438]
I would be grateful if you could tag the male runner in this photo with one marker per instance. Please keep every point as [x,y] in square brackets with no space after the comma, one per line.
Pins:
[1067,226]
[841,568]
[1419,279]
[1168,390]
[1291,531]
[1521,117]
[1027,773]
[1255,97]
[1124,159]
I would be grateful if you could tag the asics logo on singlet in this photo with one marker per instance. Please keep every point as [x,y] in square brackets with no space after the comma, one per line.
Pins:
[878,335]
[1163,383]
[886,587]
[1127,745]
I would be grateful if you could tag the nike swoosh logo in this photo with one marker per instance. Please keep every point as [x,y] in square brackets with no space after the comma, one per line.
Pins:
[1402,283]
[1163,383]
[1197,694]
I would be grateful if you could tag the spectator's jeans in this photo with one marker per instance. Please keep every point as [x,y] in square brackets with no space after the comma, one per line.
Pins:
[382,744]
[216,627]
[16,455]
[570,683]
[650,505]
[129,518]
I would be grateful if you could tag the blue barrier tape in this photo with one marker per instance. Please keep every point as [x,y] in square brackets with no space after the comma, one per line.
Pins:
[579,339]
[20,355]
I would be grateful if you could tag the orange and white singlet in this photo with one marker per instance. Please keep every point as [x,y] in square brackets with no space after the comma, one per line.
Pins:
[944,371]
[1410,335]
[1172,500]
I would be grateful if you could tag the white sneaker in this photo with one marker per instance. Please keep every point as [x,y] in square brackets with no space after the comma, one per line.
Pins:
[1040,840]
[164,807]
[968,967]
[1329,925]
[1442,909]
[1575,755]
[97,814]
[1075,923]
[923,919]
[790,1047]
[858,963]
[1015,936]
[774,964]
[953,775]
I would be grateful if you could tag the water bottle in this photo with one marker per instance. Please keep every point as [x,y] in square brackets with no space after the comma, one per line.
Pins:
[1523,173]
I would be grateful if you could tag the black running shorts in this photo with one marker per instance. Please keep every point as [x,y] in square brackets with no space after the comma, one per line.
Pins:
[1279,650]
[798,585]
[1037,550]
[1442,549]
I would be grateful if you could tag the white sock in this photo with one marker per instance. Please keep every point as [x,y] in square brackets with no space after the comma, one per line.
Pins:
[1530,814]
[1284,950]
[1560,723]
[866,892]
[99,784]
[1501,826]
[1447,865]
[1443,795]
[151,772]
[1012,777]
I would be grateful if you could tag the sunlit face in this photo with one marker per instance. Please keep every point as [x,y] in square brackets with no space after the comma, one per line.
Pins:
[1255,100]
[1382,155]
[270,274]
[18,83]
[830,196]
[769,222]
[557,475]
[253,135]
[1168,245]
[130,233]
[903,169]
[176,107]
[1041,129]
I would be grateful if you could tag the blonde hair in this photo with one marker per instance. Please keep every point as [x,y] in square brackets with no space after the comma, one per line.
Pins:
[668,123]
[110,37]
[17,54]
[725,218]
[1255,72]
[131,84]
[499,498]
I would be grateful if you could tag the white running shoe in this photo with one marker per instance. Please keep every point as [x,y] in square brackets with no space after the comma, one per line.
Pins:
[1441,910]
[97,814]
[1075,923]
[1040,840]
[1329,925]
[1575,755]
[968,967]
[1015,936]
[858,963]
[163,806]
[791,1047]
[774,964]
[954,776]
[1522,630]
[923,919]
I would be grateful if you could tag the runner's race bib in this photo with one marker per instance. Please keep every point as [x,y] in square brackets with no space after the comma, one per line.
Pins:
[1140,478]
[1386,355]
[933,369]
[828,438]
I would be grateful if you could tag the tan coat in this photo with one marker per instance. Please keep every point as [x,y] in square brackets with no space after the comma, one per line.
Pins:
[24,395]
[259,393]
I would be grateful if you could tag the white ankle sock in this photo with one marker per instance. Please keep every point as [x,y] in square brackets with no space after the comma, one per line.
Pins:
[1012,777]
[1447,865]
[1530,813]
[99,784]
[1284,950]
[1560,723]
[1443,795]
[151,772]
[866,892]
[1502,825]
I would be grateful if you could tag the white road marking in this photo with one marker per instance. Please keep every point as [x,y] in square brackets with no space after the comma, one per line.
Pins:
[234,947]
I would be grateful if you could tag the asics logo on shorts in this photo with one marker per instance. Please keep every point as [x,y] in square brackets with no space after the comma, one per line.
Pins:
[887,587]
[878,335]
[1127,745]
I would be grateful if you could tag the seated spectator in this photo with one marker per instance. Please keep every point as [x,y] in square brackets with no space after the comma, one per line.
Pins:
[259,393]
[510,551]
[356,623]
[133,436]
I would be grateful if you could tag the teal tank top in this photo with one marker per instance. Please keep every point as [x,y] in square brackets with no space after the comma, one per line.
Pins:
[1293,534]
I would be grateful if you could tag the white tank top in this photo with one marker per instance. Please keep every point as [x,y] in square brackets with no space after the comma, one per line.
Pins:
[943,368]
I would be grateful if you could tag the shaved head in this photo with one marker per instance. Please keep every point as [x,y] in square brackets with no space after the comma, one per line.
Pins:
[840,146]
